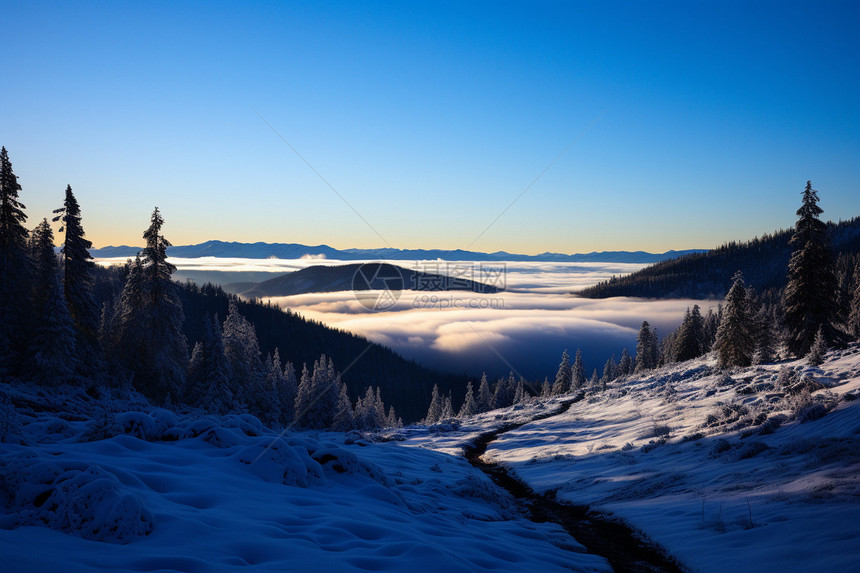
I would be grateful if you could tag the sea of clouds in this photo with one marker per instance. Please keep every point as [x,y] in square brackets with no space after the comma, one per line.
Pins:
[523,329]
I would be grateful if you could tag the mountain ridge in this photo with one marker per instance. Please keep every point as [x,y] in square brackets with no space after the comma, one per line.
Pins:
[262,250]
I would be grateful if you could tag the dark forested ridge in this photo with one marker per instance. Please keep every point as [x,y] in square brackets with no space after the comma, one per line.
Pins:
[364,276]
[762,261]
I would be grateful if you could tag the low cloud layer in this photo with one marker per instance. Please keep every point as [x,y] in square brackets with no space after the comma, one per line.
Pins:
[524,329]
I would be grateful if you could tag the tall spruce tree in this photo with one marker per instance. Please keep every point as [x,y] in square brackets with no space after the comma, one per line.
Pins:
[78,271]
[646,348]
[690,339]
[810,298]
[152,344]
[485,397]
[577,379]
[735,342]
[469,407]
[563,376]
[52,355]
[14,271]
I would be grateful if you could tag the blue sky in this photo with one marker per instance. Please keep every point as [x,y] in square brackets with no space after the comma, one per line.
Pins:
[691,123]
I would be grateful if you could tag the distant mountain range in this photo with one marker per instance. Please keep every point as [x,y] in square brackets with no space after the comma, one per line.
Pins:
[224,249]
[358,277]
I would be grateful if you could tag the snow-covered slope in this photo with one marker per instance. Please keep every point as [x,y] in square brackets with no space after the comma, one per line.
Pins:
[743,470]
[114,485]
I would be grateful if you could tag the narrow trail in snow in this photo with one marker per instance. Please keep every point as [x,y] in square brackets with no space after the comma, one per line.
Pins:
[600,533]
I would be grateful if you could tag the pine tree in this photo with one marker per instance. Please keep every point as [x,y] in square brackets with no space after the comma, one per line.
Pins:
[577,372]
[735,343]
[287,393]
[765,339]
[625,365]
[53,356]
[447,409]
[854,315]
[595,380]
[563,376]
[485,397]
[303,397]
[546,389]
[344,418]
[207,383]
[245,370]
[521,395]
[608,372]
[469,407]
[393,421]
[646,348]
[819,347]
[691,336]
[78,271]
[810,297]
[434,412]
[151,341]
[14,270]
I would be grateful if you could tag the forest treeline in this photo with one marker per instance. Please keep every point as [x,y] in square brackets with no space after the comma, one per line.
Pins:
[708,275]
[64,319]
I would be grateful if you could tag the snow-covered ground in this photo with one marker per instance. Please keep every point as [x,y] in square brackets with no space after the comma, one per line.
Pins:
[754,469]
[729,471]
[87,487]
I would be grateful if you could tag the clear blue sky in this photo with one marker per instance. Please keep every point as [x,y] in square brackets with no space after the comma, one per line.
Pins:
[697,122]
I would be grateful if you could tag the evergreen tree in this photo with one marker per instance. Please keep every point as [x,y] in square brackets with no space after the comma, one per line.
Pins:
[546,389]
[469,407]
[712,323]
[447,409]
[810,297]
[595,380]
[854,315]
[344,418]
[819,347]
[78,270]
[324,390]
[245,369]
[434,412]
[207,382]
[690,339]
[646,348]
[152,344]
[577,372]
[485,397]
[287,393]
[52,355]
[625,365]
[608,372]
[303,397]
[14,270]
[521,395]
[393,421]
[765,339]
[735,343]
[563,376]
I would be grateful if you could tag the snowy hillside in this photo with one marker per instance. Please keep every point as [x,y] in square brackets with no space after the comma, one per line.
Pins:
[754,469]
[113,485]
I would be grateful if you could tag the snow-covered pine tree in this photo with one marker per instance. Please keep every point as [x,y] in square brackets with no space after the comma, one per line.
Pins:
[595,380]
[434,412]
[287,392]
[303,398]
[690,339]
[393,421]
[78,271]
[521,395]
[577,380]
[563,375]
[53,358]
[854,313]
[625,365]
[546,389]
[735,343]
[712,323]
[765,337]
[819,347]
[323,397]
[608,372]
[151,341]
[344,417]
[15,271]
[469,407]
[246,372]
[646,348]
[447,408]
[810,296]
[207,383]
[274,382]
[484,400]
